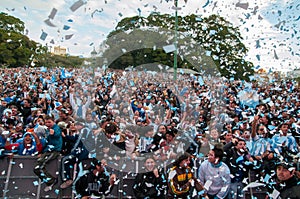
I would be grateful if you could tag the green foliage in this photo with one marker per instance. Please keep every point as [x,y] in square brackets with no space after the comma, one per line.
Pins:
[17,50]
[11,24]
[216,37]
[51,61]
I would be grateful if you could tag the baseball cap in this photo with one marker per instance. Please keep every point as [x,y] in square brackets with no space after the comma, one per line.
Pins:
[286,164]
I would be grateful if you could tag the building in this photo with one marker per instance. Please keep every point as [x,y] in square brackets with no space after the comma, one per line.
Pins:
[57,50]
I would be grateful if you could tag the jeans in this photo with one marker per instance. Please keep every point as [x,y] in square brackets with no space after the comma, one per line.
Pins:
[40,167]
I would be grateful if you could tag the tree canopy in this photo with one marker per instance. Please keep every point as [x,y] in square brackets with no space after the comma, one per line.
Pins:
[17,50]
[219,42]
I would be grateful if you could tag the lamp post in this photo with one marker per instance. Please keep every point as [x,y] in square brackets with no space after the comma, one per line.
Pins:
[175,41]
[93,56]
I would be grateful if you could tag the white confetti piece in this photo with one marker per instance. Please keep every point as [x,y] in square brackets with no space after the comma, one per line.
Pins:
[172,174]
[117,182]
[207,184]
[252,185]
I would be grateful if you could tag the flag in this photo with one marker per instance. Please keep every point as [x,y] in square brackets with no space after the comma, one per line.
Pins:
[62,73]
[43,69]
[53,78]
[68,74]
[248,98]
[200,80]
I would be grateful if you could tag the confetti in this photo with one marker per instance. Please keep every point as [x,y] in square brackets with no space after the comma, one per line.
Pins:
[76,5]
[169,48]
[66,27]
[67,37]
[49,23]
[53,13]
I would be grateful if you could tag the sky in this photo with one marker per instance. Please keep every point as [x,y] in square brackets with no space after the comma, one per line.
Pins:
[270,28]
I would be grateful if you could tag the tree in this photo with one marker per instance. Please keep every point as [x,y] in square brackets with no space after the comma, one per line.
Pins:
[11,24]
[219,41]
[16,48]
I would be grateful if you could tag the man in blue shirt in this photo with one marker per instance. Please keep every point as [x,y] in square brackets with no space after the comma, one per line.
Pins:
[51,151]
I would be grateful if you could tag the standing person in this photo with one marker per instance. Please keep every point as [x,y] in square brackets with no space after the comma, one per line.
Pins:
[3,106]
[237,159]
[284,141]
[159,137]
[286,183]
[262,146]
[75,154]
[51,151]
[26,110]
[96,182]
[181,179]
[215,174]
[150,183]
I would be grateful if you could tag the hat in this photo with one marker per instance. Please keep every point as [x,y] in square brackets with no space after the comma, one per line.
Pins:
[80,121]
[286,164]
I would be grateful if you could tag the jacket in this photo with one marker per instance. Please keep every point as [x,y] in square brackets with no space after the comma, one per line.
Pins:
[54,142]
[289,189]
[90,184]
[147,185]
[179,185]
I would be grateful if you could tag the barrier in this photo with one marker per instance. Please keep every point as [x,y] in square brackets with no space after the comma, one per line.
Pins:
[257,192]
[17,180]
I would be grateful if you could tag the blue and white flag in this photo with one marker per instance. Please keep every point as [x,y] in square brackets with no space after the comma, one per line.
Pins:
[200,80]
[248,98]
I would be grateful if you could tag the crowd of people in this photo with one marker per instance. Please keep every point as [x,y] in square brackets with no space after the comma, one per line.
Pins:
[196,137]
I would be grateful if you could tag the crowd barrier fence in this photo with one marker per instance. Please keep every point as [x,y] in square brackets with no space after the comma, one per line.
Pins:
[17,180]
